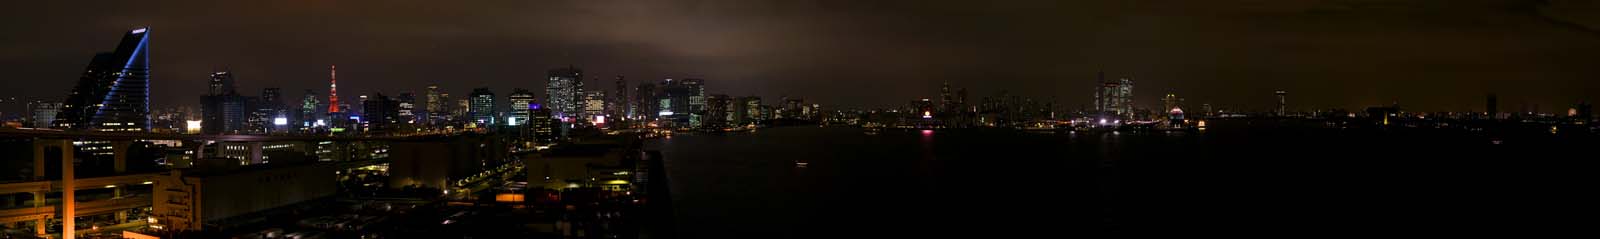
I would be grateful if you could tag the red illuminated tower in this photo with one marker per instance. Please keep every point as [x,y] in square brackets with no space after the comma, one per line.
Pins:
[333,89]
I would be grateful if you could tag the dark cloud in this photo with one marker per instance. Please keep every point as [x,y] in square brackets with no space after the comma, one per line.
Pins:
[1434,55]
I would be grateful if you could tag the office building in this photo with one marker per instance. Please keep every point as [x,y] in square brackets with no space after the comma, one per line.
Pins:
[521,101]
[619,104]
[683,102]
[594,107]
[308,111]
[434,103]
[564,93]
[482,106]
[381,113]
[646,102]
[408,108]
[747,111]
[718,109]
[543,124]
[42,113]
[223,110]
[1114,98]
[113,94]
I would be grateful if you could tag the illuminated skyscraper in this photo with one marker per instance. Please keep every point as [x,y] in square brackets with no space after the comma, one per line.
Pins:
[683,102]
[434,102]
[407,113]
[594,107]
[1114,98]
[564,93]
[308,110]
[113,94]
[520,113]
[482,106]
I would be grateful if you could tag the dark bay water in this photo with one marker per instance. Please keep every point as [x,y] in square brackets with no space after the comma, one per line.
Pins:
[1240,178]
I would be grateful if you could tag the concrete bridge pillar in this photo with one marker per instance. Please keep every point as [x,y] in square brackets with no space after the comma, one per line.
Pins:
[122,215]
[119,151]
[69,188]
[38,224]
[38,158]
[255,153]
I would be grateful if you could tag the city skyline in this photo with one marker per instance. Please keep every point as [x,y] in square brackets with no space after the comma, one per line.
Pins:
[1427,70]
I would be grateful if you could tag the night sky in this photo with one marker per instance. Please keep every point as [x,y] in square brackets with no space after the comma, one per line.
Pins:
[1429,55]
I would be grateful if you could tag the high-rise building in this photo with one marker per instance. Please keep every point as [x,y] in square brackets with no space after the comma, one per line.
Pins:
[521,100]
[267,110]
[543,124]
[683,102]
[717,109]
[619,101]
[308,110]
[408,108]
[747,110]
[434,103]
[272,97]
[1114,98]
[1125,92]
[462,110]
[1282,102]
[482,106]
[227,111]
[792,108]
[381,113]
[946,103]
[564,93]
[113,94]
[221,83]
[42,113]
[646,102]
[594,107]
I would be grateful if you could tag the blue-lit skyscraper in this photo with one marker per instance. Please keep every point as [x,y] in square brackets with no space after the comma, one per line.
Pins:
[114,92]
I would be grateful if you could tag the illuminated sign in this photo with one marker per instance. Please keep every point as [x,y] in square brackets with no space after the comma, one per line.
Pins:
[666,113]
[280,121]
[140,30]
[193,126]
[599,119]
